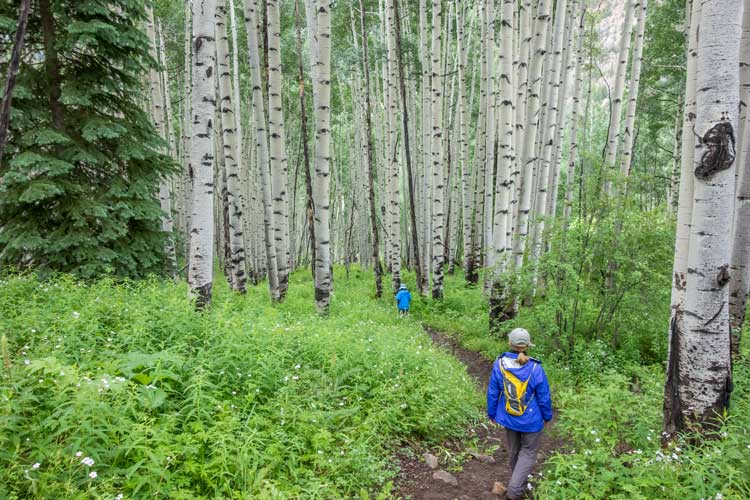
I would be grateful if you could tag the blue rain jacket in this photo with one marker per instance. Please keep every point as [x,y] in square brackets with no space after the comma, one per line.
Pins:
[403,299]
[537,397]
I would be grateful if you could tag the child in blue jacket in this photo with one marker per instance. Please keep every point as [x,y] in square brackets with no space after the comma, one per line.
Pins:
[518,398]
[403,299]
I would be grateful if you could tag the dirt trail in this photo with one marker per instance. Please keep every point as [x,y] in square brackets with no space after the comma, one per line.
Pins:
[475,481]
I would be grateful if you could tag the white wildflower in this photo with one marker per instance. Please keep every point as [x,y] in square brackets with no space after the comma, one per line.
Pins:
[36,465]
[93,474]
[88,461]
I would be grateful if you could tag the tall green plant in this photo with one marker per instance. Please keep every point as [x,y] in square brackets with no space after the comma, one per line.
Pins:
[78,189]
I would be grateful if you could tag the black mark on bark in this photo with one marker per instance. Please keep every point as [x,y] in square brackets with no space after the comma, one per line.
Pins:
[720,150]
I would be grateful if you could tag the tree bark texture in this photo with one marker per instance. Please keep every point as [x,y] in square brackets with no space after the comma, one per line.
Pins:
[201,257]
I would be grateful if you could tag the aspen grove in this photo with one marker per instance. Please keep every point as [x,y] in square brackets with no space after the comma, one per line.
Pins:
[244,185]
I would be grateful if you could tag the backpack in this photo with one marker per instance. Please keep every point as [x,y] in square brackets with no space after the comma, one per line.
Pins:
[515,390]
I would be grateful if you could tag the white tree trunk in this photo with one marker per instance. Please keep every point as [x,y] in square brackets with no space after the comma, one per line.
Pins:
[278,158]
[740,268]
[699,369]
[157,114]
[550,131]
[321,47]
[467,192]
[685,207]
[613,137]
[503,185]
[530,132]
[261,141]
[187,177]
[635,81]
[392,180]
[438,187]
[426,148]
[573,150]
[562,107]
[236,255]
[490,138]
[201,257]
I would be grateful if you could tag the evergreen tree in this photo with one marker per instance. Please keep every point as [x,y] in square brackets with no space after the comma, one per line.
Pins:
[78,187]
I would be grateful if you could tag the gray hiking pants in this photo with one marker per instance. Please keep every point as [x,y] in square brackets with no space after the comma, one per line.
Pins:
[522,450]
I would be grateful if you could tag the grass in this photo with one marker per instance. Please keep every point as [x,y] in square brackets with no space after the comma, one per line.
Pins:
[254,401]
[245,401]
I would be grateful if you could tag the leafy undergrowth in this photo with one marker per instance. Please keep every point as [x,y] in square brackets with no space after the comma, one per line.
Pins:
[122,391]
[611,414]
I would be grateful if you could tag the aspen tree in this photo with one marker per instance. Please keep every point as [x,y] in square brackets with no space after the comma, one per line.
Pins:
[490,137]
[438,183]
[156,98]
[235,264]
[522,77]
[576,93]
[321,47]
[562,108]
[277,148]
[615,113]
[187,177]
[530,132]
[550,130]
[392,170]
[407,139]
[686,188]
[426,147]
[261,143]
[309,209]
[503,186]
[166,94]
[201,257]
[635,80]
[369,167]
[478,171]
[739,270]
[467,199]
[699,378]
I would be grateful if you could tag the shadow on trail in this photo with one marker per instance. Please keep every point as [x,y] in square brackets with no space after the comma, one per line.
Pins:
[417,480]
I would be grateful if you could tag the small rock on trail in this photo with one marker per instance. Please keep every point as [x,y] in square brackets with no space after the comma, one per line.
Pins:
[431,460]
[445,477]
[499,489]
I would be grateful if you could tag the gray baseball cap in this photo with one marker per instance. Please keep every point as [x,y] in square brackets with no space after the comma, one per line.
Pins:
[520,337]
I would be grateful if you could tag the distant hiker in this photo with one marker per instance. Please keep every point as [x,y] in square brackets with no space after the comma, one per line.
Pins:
[403,299]
[518,398]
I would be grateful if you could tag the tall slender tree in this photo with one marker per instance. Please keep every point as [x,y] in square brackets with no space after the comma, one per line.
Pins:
[407,142]
[635,81]
[201,258]
[261,141]
[369,163]
[616,98]
[321,50]
[278,157]
[699,378]
[235,263]
[438,182]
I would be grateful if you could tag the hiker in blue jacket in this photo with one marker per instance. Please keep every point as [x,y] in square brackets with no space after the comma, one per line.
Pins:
[518,398]
[403,299]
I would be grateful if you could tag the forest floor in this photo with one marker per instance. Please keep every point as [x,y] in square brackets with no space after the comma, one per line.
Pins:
[485,453]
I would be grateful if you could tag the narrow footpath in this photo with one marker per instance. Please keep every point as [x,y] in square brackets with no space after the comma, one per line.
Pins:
[419,481]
